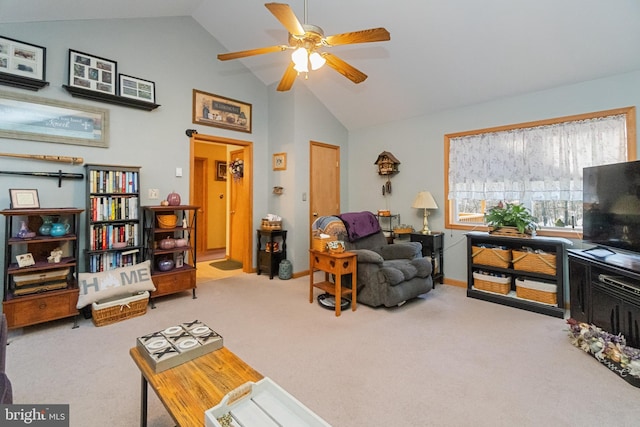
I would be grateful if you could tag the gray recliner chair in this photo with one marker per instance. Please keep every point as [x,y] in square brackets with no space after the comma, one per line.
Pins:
[388,274]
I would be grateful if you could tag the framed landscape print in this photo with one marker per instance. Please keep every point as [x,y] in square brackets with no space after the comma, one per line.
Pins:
[136,88]
[218,111]
[22,59]
[92,72]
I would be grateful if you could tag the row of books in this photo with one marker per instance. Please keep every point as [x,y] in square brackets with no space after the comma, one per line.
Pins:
[111,208]
[110,260]
[104,236]
[106,181]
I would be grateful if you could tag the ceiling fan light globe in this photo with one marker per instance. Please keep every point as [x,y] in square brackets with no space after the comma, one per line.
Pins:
[317,61]
[300,58]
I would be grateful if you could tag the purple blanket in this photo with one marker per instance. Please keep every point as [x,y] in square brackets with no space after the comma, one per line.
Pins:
[360,224]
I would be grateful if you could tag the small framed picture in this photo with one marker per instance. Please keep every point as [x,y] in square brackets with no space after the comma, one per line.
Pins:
[221,170]
[92,72]
[22,59]
[136,88]
[25,260]
[179,261]
[24,199]
[280,161]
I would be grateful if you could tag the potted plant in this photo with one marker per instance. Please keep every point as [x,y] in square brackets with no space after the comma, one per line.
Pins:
[511,215]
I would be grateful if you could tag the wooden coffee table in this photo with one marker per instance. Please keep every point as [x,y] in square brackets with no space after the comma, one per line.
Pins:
[189,389]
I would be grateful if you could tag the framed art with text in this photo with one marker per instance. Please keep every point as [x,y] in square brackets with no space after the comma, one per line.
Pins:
[218,111]
[92,72]
[22,59]
[41,119]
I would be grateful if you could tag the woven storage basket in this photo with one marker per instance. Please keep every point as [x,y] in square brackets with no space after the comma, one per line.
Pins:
[167,221]
[537,291]
[537,263]
[491,256]
[318,244]
[485,282]
[115,310]
[270,225]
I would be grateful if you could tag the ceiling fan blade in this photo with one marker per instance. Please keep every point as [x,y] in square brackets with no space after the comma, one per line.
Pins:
[288,78]
[364,36]
[287,18]
[250,52]
[343,68]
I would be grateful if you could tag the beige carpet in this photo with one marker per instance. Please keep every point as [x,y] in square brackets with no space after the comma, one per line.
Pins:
[442,360]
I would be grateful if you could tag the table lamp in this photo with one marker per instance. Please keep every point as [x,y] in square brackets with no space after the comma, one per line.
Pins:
[424,200]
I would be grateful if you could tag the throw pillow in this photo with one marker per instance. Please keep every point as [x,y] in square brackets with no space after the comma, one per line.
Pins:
[123,281]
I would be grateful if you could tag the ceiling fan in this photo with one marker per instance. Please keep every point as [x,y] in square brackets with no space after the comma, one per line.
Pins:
[306,42]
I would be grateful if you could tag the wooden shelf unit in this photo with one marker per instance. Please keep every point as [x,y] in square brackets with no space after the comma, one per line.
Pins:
[548,245]
[43,305]
[180,278]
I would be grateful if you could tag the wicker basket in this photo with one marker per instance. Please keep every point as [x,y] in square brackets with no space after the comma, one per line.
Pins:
[271,225]
[167,221]
[108,312]
[485,282]
[491,256]
[320,245]
[536,263]
[537,291]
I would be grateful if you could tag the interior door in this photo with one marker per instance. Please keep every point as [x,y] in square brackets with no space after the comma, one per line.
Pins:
[324,180]
[238,212]
[200,199]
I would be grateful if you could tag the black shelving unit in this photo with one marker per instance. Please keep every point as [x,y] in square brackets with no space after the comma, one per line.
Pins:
[555,246]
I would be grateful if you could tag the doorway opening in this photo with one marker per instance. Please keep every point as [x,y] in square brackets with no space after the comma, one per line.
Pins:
[225,202]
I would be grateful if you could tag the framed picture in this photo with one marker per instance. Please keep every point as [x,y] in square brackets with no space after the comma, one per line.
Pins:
[133,87]
[92,72]
[280,161]
[57,121]
[221,170]
[24,199]
[22,59]
[25,260]
[218,111]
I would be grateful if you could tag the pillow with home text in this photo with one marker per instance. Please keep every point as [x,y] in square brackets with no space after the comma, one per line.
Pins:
[123,281]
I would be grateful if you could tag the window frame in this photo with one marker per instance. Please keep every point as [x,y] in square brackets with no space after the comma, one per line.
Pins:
[630,118]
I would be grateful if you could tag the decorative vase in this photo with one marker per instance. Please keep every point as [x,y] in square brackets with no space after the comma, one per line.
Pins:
[165,264]
[285,269]
[173,198]
[24,230]
[45,228]
[59,229]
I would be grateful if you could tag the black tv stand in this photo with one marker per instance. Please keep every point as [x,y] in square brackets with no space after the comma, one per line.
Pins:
[605,291]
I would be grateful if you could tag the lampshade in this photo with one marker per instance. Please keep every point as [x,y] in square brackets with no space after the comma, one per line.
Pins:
[424,200]
[300,58]
[316,60]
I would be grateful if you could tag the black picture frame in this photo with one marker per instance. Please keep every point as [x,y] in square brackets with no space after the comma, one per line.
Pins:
[22,59]
[24,198]
[137,88]
[92,72]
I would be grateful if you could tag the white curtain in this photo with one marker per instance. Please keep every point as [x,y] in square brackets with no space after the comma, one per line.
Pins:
[539,163]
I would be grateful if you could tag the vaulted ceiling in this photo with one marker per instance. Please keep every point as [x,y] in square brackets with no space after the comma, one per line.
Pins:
[443,54]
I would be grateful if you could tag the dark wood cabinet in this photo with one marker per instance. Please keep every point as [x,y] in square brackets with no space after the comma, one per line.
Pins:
[514,274]
[432,246]
[605,288]
[47,289]
[272,248]
[173,267]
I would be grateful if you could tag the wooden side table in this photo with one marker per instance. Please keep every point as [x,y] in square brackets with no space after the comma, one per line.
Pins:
[337,264]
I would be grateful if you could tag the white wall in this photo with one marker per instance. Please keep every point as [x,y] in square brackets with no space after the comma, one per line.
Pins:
[419,145]
[178,55]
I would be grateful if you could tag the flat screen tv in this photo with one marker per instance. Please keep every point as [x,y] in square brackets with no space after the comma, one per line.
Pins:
[611,204]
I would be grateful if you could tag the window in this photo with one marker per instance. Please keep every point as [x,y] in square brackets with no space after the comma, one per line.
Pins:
[537,164]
